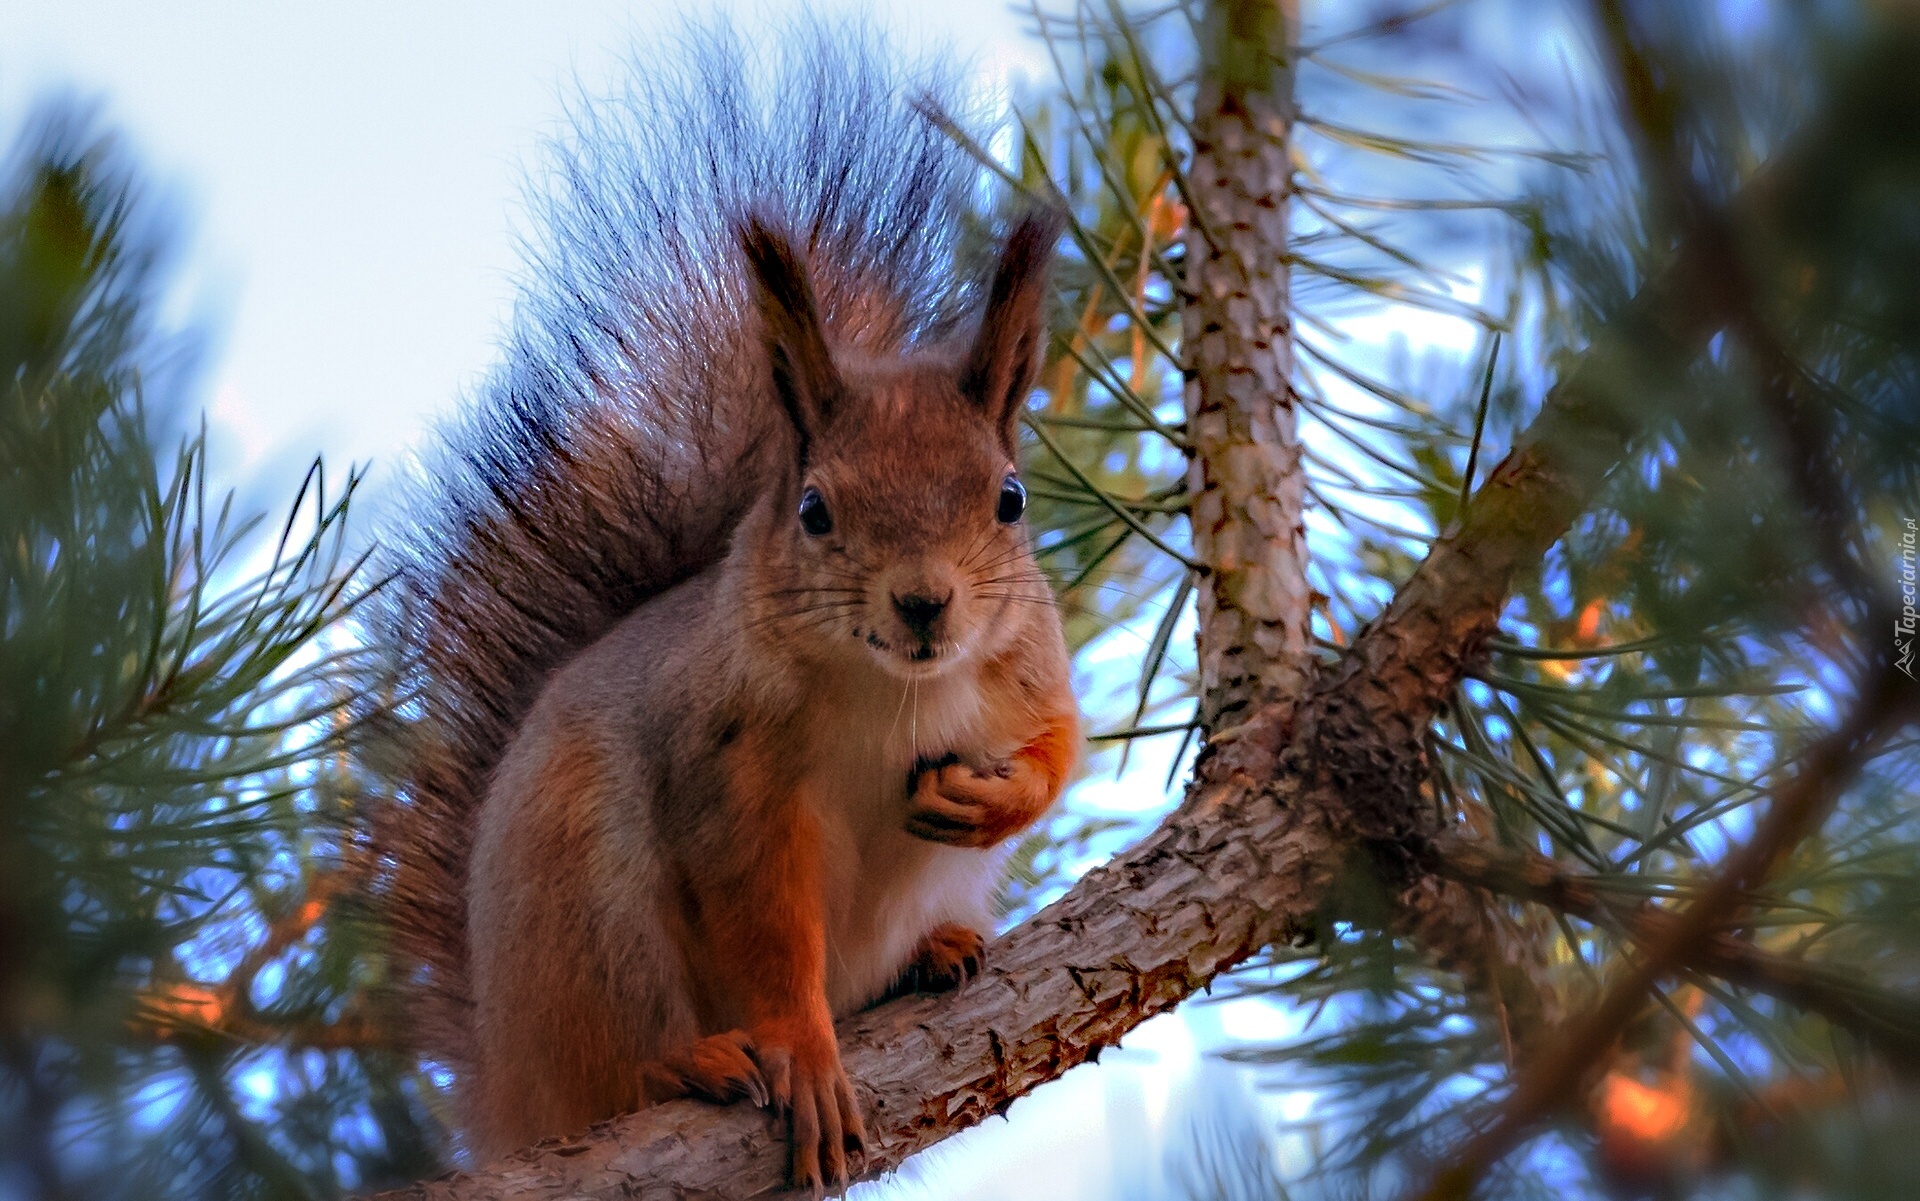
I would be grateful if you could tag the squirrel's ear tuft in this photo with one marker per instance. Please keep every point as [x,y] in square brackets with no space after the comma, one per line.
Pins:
[796,340]
[1007,351]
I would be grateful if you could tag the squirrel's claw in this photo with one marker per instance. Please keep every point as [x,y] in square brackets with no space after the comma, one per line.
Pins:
[777,1064]
[757,1092]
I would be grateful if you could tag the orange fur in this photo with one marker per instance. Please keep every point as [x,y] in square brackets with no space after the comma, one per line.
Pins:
[762,927]
[554,1058]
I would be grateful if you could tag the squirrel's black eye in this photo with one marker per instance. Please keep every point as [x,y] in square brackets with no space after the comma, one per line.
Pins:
[814,517]
[1013,500]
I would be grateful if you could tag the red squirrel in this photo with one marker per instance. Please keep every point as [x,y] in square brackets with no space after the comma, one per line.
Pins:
[724,659]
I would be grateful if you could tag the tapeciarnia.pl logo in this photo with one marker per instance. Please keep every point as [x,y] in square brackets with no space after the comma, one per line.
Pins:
[1903,626]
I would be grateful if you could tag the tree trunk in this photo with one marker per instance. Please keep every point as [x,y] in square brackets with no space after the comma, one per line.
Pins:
[1246,483]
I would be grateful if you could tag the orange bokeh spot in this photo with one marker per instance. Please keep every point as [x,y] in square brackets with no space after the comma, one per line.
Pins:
[1636,1110]
[185,1004]
[1587,631]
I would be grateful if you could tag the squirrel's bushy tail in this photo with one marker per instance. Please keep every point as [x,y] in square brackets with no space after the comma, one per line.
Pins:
[630,424]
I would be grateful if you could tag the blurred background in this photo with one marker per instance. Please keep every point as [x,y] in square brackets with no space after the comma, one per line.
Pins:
[248,254]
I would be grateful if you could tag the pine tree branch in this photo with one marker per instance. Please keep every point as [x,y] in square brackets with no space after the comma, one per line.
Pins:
[1551,1080]
[350,1032]
[1277,803]
[236,993]
[1506,961]
[1402,670]
[190,1014]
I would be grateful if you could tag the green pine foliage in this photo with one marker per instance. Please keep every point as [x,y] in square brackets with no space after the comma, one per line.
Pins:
[179,995]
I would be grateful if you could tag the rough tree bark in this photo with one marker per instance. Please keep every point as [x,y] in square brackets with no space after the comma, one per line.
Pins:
[1245,481]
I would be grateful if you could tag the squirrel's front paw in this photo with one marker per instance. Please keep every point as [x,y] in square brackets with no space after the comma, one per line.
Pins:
[965,806]
[823,1119]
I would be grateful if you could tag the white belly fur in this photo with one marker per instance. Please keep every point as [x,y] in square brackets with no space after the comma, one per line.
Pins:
[884,888]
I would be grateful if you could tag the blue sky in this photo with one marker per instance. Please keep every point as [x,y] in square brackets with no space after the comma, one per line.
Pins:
[350,173]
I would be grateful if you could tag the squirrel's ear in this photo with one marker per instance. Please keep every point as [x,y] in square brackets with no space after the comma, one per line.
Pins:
[796,341]
[1007,351]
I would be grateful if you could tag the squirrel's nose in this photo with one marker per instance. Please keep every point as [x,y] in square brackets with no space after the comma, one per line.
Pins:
[918,613]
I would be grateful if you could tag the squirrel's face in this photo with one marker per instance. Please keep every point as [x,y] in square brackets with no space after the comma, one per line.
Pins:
[899,535]
[900,540]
